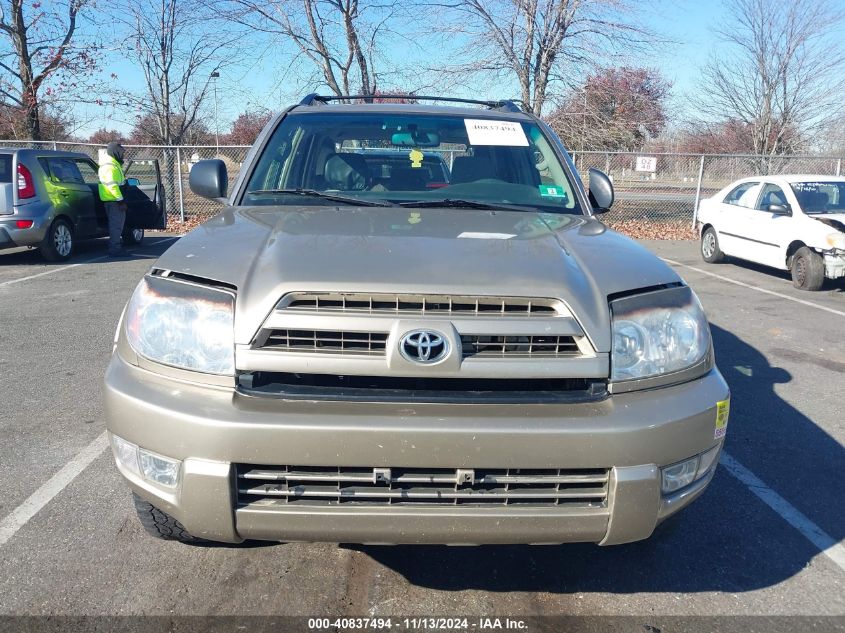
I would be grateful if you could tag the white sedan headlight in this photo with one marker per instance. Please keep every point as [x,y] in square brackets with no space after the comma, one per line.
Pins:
[183,325]
[657,333]
[836,240]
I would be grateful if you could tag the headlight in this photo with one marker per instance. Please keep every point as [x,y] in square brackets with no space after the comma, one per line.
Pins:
[183,325]
[836,240]
[657,333]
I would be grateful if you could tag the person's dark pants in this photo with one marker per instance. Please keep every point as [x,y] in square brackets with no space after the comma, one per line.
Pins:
[116,214]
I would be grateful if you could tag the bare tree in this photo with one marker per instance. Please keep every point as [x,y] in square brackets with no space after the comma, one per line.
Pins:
[535,41]
[170,42]
[340,38]
[780,74]
[179,49]
[832,137]
[37,47]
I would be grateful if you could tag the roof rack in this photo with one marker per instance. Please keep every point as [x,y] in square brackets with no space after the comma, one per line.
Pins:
[505,105]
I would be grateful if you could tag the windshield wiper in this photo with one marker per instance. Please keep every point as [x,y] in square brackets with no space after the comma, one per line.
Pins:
[325,196]
[456,203]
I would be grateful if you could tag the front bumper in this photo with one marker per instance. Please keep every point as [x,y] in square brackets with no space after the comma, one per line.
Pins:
[213,428]
[834,263]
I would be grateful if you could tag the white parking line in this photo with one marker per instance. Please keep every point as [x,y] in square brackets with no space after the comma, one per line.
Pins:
[51,271]
[757,288]
[788,512]
[86,261]
[58,482]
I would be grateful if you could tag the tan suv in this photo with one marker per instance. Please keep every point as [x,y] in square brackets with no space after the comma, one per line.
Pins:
[348,352]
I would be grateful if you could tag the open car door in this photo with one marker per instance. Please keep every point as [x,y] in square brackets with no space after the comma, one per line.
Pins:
[144,195]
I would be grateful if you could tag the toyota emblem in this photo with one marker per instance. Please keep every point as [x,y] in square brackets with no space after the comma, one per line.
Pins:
[423,346]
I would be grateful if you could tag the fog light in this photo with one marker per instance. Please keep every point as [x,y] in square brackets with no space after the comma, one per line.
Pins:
[707,461]
[24,224]
[126,454]
[679,475]
[158,469]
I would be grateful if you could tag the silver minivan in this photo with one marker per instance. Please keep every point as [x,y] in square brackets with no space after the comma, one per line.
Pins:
[49,200]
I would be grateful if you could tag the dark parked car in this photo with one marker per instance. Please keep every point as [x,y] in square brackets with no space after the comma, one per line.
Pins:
[50,200]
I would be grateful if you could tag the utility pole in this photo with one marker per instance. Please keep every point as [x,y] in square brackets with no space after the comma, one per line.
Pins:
[215,76]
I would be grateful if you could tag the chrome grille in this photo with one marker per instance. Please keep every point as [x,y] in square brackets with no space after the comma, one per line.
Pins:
[420,304]
[475,345]
[309,485]
[324,341]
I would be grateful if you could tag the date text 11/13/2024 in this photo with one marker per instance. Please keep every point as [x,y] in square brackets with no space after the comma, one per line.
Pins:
[417,624]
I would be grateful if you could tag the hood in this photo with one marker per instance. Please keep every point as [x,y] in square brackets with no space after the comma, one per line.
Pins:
[267,252]
[833,220]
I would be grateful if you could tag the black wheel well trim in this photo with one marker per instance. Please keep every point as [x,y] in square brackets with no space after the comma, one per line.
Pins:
[793,248]
[704,227]
[66,218]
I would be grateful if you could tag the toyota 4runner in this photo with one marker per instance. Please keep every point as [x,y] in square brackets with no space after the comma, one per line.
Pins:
[408,326]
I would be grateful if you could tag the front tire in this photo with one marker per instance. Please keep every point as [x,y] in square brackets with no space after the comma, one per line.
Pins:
[807,269]
[58,244]
[133,237]
[710,251]
[160,524]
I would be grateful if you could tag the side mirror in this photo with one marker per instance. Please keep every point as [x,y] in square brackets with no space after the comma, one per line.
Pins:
[780,209]
[600,191]
[133,182]
[209,179]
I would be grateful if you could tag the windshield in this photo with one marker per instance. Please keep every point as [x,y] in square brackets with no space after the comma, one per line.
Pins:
[408,158]
[820,197]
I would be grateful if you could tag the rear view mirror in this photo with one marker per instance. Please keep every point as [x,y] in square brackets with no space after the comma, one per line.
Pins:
[415,139]
[600,191]
[780,209]
[209,179]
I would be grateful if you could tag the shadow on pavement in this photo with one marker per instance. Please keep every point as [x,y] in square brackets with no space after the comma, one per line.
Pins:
[152,246]
[834,285]
[728,540]
[235,546]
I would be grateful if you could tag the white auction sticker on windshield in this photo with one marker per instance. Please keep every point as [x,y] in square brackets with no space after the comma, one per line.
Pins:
[489,132]
[472,235]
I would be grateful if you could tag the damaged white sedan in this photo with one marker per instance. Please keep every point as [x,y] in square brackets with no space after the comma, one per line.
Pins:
[794,223]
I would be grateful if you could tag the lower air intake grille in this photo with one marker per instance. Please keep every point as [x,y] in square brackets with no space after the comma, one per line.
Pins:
[328,387]
[329,486]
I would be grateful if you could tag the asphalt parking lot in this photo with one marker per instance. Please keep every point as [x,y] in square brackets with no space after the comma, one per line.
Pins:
[766,539]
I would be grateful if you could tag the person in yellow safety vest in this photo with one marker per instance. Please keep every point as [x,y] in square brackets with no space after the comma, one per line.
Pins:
[111,179]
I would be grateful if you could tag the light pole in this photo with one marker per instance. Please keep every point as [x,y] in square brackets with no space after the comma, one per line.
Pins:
[584,124]
[215,76]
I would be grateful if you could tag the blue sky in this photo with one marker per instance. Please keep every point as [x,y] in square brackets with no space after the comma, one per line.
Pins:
[691,25]
[273,83]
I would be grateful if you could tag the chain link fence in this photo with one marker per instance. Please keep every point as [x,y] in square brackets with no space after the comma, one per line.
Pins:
[658,189]
[174,164]
[668,187]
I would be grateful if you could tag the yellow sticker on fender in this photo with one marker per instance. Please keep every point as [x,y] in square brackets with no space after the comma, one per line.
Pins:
[723,409]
